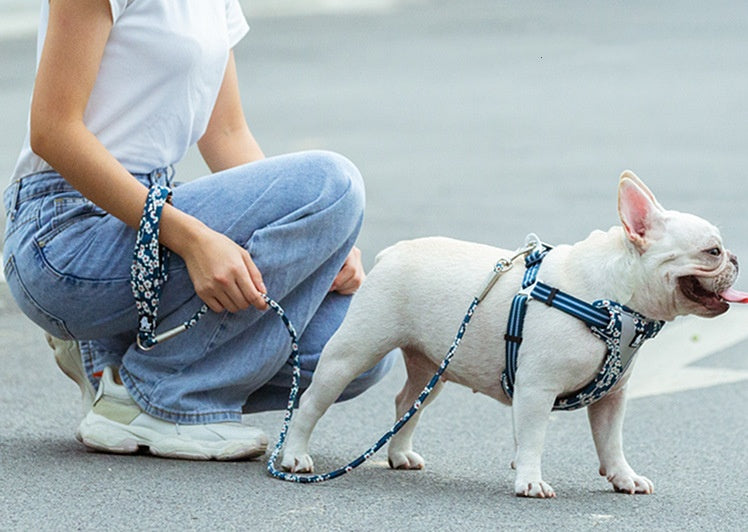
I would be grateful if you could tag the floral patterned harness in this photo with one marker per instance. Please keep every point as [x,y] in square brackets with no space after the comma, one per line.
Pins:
[622,330]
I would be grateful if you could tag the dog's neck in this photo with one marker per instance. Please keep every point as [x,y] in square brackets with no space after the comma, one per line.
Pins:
[605,266]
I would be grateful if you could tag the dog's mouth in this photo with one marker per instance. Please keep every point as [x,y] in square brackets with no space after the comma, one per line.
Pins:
[714,303]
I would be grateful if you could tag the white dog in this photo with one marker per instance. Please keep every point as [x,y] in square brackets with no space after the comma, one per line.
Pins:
[660,263]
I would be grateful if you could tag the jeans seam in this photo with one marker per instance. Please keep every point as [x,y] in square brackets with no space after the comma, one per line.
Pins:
[10,268]
[15,224]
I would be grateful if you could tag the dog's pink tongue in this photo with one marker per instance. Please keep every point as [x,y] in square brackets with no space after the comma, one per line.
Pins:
[734,296]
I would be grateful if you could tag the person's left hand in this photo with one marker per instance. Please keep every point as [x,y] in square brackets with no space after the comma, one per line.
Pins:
[351,275]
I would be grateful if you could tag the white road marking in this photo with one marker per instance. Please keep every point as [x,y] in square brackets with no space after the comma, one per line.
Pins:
[663,364]
[273,8]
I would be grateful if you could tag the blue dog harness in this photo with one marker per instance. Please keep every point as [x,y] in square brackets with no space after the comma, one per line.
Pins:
[622,330]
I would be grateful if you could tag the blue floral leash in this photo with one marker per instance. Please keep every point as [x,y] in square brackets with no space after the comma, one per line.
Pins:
[309,479]
[149,272]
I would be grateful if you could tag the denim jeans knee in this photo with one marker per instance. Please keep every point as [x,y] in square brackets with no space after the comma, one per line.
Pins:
[297,214]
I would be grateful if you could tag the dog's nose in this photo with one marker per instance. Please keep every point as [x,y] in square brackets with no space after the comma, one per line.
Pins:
[734,261]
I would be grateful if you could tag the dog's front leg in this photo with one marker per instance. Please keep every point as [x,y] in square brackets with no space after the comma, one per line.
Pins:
[606,421]
[530,411]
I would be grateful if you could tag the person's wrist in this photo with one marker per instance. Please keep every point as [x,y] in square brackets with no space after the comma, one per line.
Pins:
[180,232]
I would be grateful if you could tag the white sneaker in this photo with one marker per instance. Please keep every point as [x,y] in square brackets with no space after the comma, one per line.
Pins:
[117,424]
[68,358]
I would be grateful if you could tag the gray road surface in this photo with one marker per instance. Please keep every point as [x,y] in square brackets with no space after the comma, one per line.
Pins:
[478,119]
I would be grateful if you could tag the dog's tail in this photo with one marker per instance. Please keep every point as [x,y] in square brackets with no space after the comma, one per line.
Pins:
[381,254]
[402,244]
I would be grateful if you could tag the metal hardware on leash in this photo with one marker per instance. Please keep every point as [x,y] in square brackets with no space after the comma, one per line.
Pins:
[532,242]
[162,337]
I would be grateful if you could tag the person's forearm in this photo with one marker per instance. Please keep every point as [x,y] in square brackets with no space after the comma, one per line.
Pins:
[74,152]
[85,163]
[224,149]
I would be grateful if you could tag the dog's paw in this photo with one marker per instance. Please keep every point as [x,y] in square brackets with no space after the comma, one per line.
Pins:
[297,463]
[631,483]
[406,460]
[536,489]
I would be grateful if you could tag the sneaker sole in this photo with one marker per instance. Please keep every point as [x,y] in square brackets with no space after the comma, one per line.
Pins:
[102,434]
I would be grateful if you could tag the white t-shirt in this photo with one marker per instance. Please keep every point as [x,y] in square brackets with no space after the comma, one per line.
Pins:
[159,78]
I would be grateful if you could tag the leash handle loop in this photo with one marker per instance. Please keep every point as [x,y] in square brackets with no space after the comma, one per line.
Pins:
[150,271]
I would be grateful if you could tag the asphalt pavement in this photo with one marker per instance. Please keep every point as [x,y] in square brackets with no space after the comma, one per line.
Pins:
[482,120]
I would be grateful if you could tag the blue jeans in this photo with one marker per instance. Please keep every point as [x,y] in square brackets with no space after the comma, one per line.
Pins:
[67,264]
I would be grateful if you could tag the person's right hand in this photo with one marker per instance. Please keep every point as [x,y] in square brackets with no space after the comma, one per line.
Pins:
[223,273]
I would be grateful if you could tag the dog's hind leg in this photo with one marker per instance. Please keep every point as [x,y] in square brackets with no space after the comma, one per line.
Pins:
[420,370]
[345,357]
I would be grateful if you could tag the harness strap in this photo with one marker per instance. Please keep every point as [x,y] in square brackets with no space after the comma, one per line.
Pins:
[532,264]
[553,297]
[622,330]
[513,336]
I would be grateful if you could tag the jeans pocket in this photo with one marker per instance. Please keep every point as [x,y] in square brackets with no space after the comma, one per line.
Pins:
[28,304]
[62,211]
[68,230]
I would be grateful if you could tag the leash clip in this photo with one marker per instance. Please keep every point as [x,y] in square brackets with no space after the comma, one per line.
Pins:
[499,269]
[532,242]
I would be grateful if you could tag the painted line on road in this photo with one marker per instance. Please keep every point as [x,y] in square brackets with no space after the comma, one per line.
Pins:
[664,365]
[273,8]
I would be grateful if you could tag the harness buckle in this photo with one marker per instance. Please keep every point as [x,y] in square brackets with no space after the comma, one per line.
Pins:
[527,291]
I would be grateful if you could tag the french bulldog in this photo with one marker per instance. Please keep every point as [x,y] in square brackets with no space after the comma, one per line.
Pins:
[660,263]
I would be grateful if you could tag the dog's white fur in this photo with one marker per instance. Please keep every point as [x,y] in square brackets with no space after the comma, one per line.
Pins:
[416,296]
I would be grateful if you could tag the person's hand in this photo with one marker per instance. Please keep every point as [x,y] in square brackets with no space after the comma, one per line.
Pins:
[351,275]
[223,273]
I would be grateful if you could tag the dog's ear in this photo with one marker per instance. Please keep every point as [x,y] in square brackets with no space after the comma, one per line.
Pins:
[628,174]
[640,213]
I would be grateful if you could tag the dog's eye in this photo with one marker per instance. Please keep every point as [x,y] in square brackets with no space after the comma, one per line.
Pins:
[714,252]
